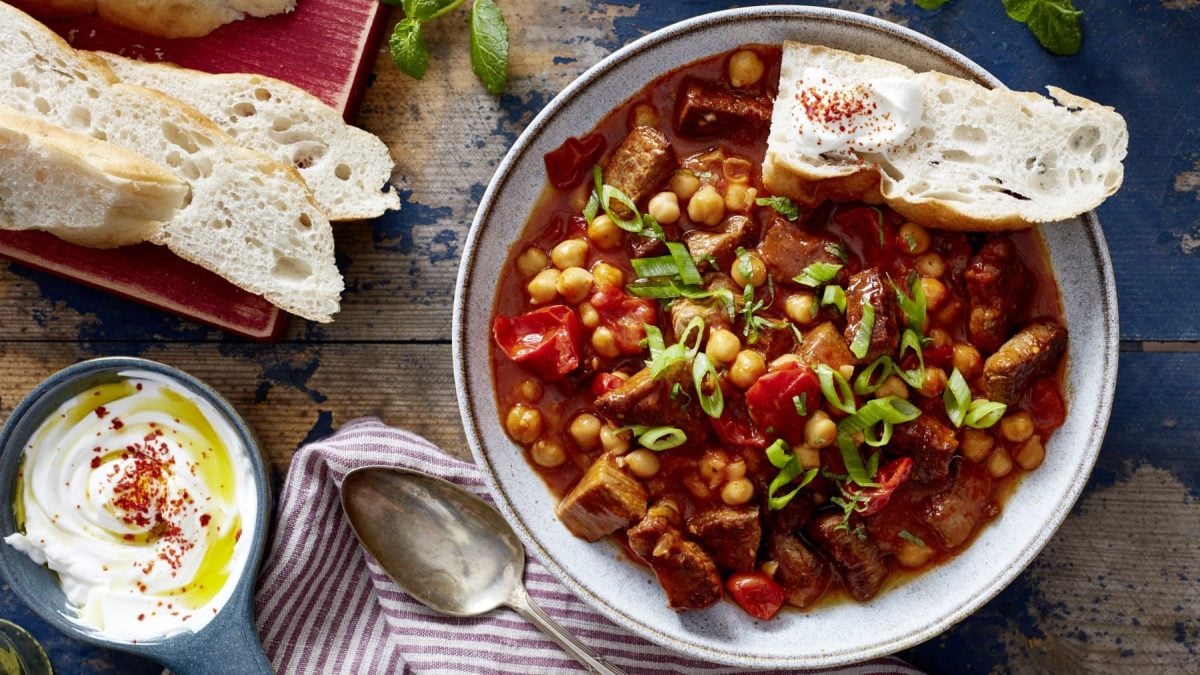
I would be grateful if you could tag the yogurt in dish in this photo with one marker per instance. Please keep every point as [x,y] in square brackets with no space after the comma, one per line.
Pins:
[832,116]
[141,497]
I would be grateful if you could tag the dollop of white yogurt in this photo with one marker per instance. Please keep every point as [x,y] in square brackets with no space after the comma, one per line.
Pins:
[836,117]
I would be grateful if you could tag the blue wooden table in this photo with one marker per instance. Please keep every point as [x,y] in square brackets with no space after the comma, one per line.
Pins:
[1118,589]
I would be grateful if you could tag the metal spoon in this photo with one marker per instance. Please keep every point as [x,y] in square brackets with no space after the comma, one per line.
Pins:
[447,548]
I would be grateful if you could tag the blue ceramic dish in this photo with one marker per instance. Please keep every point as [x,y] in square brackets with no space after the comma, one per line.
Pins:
[228,643]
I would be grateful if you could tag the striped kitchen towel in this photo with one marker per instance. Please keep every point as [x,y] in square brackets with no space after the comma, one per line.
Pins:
[325,606]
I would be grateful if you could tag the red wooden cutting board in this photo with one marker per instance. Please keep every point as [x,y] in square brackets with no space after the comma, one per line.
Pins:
[326,47]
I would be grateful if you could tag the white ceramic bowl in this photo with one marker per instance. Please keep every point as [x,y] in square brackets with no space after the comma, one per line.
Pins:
[843,633]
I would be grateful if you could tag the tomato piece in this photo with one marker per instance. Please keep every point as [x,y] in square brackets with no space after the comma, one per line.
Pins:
[734,426]
[890,477]
[1047,406]
[626,316]
[547,340]
[937,357]
[870,233]
[604,383]
[772,401]
[756,593]
[568,164]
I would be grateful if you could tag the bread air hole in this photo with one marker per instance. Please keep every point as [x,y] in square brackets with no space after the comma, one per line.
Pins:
[179,138]
[969,134]
[945,97]
[19,80]
[244,109]
[262,94]
[1084,139]
[80,117]
[42,105]
[281,123]
[305,221]
[290,269]
[947,196]
[1099,153]
[960,156]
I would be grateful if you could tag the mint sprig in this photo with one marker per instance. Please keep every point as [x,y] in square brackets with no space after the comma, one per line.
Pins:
[1055,23]
[489,39]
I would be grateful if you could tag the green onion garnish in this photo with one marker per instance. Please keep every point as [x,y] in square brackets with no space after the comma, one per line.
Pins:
[956,397]
[838,251]
[914,308]
[983,413]
[912,538]
[862,335]
[684,264]
[662,357]
[853,461]
[834,295]
[607,194]
[879,226]
[836,389]
[654,340]
[713,404]
[910,340]
[782,458]
[779,454]
[817,274]
[660,438]
[801,403]
[592,207]
[662,266]
[882,414]
[873,376]
[782,205]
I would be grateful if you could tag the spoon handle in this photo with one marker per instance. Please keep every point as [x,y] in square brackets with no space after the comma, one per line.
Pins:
[524,605]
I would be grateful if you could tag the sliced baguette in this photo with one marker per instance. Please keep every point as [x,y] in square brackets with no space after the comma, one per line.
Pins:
[344,166]
[83,190]
[248,218]
[982,159]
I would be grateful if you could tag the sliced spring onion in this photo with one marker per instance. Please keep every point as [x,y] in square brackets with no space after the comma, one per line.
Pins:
[853,461]
[744,266]
[914,308]
[956,397]
[713,403]
[591,208]
[801,403]
[782,205]
[661,357]
[678,393]
[779,454]
[912,538]
[662,266]
[785,476]
[658,288]
[911,340]
[654,340]
[983,413]
[876,418]
[879,226]
[607,193]
[836,389]
[695,326]
[661,438]
[656,231]
[873,376]
[862,335]
[834,295]
[838,251]
[684,264]
[817,274]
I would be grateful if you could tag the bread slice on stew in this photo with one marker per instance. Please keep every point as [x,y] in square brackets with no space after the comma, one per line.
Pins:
[83,190]
[345,167]
[978,159]
[164,18]
[247,217]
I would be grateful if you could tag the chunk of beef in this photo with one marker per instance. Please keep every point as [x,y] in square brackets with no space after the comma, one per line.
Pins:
[719,244]
[869,287]
[639,165]
[711,310]
[787,249]
[824,344]
[996,279]
[730,535]
[858,561]
[803,574]
[645,400]
[930,443]
[686,573]
[1034,351]
[603,501]
[955,512]
[707,109]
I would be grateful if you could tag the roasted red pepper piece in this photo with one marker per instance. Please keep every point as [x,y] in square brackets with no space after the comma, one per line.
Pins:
[734,426]
[890,478]
[547,340]
[604,383]
[772,401]
[568,164]
[756,593]
[1047,406]
[870,233]
[626,316]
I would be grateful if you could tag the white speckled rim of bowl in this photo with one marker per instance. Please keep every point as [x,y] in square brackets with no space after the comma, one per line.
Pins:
[899,617]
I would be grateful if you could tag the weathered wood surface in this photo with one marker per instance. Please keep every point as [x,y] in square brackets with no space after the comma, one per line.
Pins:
[1117,590]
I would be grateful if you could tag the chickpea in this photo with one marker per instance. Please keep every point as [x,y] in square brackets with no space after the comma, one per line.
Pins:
[574,284]
[737,492]
[912,555]
[935,292]
[642,462]
[723,346]
[1031,453]
[644,115]
[739,198]
[892,386]
[707,206]
[524,423]
[684,184]
[801,308]
[605,276]
[697,487]
[914,238]
[931,265]
[819,430]
[935,382]
[847,371]
[580,197]
[976,444]
[711,465]
[785,361]
[585,431]
[664,207]
[745,68]
[940,338]
[543,288]
[747,368]
[758,271]
[548,454]
[968,360]
[770,567]
[736,470]
[1016,427]
[604,233]
[570,253]
[530,391]
[588,315]
[612,441]
[531,261]
[605,343]
[809,457]
[999,464]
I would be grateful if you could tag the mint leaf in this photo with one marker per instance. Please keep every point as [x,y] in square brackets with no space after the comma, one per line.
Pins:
[782,205]
[489,45]
[409,52]
[424,10]
[1055,23]
[931,4]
